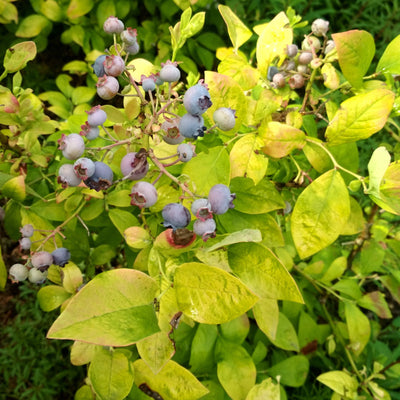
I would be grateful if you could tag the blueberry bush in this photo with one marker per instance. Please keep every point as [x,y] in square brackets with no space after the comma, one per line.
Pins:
[231,234]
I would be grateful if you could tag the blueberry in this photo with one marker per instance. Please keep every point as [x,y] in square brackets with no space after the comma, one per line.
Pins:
[204,228]
[41,260]
[37,276]
[107,87]
[170,72]
[311,42]
[272,70]
[175,216]
[27,230]
[114,65]
[171,129]
[320,27]
[90,132]
[278,81]
[148,83]
[25,243]
[18,272]
[67,176]
[113,25]
[143,194]
[305,57]
[132,48]
[296,81]
[220,198]
[61,256]
[98,67]
[72,146]
[224,118]
[191,126]
[201,208]
[330,45]
[291,50]
[96,116]
[84,168]
[185,152]
[102,177]
[129,36]
[135,165]
[197,99]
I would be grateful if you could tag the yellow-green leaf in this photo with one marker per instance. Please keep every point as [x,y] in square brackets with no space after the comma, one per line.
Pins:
[390,60]
[321,211]
[18,55]
[31,26]
[360,116]
[15,188]
[50,297]
[3,272]
[358,327]
[137,237]
[340,382]
[77,8]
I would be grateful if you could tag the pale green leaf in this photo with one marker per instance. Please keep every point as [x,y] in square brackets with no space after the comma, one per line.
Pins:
[358,327]
[210,295]
[31,26]
[266,313]
[114,309]
[377,166]
[292,371]
[3,273]
[286,337]
[77,8]
[267,389]
[17,56]
[137,237]
[50,297]
[245,235]
[390,60]
[82,353]
[340,382]
[319,214]
[15,188]
[122,219]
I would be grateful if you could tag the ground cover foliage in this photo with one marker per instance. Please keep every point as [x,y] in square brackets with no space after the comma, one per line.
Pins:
[286,280]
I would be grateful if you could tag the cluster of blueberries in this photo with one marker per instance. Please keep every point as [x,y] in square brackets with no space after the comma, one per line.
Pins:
[295,70]
[35,269]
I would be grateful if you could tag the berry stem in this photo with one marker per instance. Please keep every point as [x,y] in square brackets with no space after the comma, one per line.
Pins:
[133,83]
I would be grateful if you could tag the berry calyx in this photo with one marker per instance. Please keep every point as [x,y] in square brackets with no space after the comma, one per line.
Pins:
[84,168]
[90,132]
[171,129]
[114,66]
[201,208]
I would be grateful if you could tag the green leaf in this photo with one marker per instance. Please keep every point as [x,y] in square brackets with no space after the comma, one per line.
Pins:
[114,114]
[71,277]
[77,8]
[244,235]
[202,349]
[286,337]
[293,370]
[195,25]
[321,211]
[356,221]
[360,116]
[18,56]
[3,272]
[122,219]
[237,30]
[236,330]
[259,269]
[137,237]
[210,295]
[82,94]
[390,60]
[111,374]
[272,42]
[375,302]
[15,188]
[355,51]
[173,382]
[52,10]
[358,327]
[234,365]
[52,296]
[114,309]
[281,139]
[246,159]
[340,382]
[267,389]
[255,199]
[156,350]
[266,313]
[52,211]
[207,169]
[377,167]
[31,26]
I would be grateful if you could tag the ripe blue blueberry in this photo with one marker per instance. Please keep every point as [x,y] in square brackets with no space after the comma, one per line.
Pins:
[170,72]
[220,198]
[107,87]
[175,216]
[27,230]
[192,126]
[135,165]
[148,82]
[113,25]
[201,208]
[272,70]
[90,132]
[61,256]
[84,168]
[41,260]
[114,65]
[102,177]
[143,195]
[72,146]
[132,49]
[96,116]
[25,243]
[67,176]
[224,118]
[185,152]
[98,66]
[37,276]
[18,272]
[197,99]
[204,228]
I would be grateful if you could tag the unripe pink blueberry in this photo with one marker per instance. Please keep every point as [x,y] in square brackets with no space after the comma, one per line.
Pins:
[84,167]
[305,57]
[18,272]
[143,195]
[27,230]
[72,146]
[107,87]
[89,131]
[134,165]
[67,176]
[41,260]
[37,276]
[171,129]
[96,116]
[25,243]
[224,118]
[113,25]
[129,36]
[320,27]
[291,50]
[205,228]
[296,81]
[114,65]
[278,80]
[170,71]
